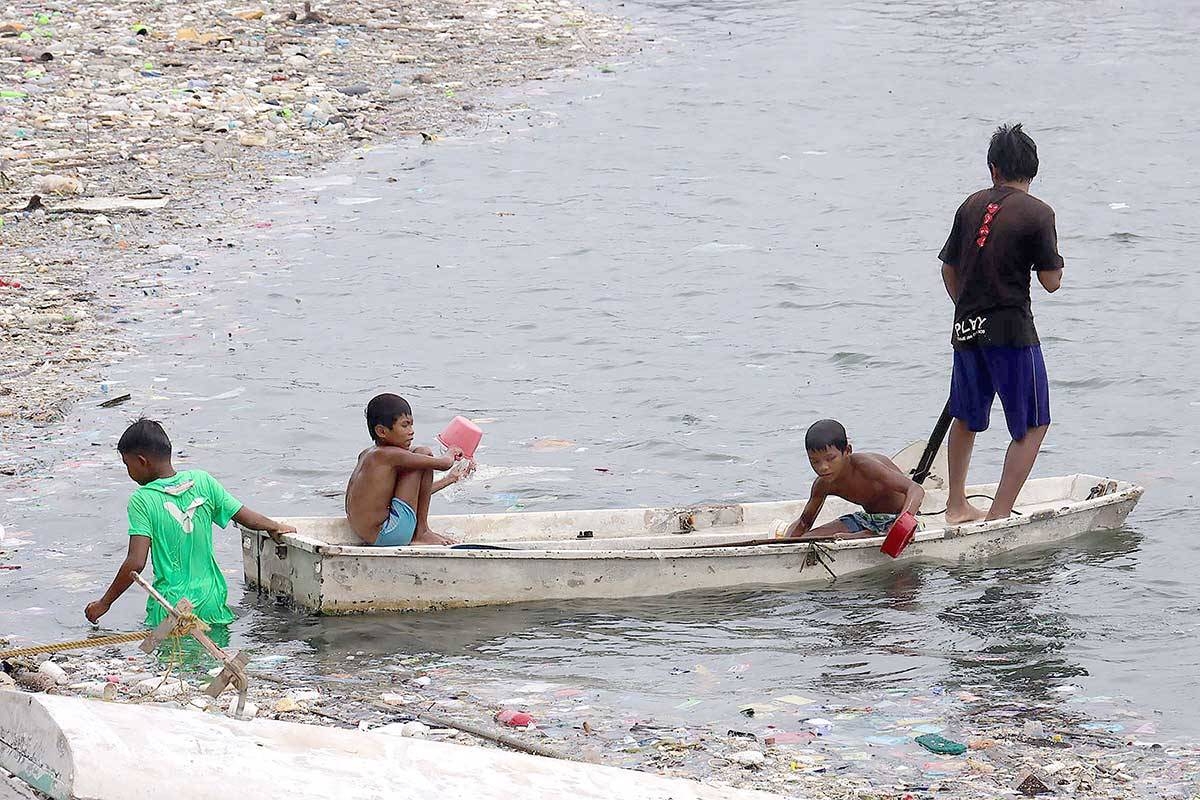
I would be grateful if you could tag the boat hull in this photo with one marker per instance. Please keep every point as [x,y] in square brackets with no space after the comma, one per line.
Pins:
[642,552]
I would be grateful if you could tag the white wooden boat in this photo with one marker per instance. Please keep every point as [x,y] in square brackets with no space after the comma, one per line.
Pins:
[75,749]
[574,555]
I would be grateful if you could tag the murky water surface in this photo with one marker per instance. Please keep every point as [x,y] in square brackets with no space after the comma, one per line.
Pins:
[677,266]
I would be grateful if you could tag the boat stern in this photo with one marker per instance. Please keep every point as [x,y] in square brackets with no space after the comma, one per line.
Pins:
[284,571]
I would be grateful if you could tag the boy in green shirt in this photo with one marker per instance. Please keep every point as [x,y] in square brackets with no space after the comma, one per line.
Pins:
[171,519]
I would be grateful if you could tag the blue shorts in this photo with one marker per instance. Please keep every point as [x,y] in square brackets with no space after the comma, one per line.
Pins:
[1017,374]
[861,521]
[399,527]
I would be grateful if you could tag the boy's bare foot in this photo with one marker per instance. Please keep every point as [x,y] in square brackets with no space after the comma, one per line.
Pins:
[429,537]
[998,513]
[957,515]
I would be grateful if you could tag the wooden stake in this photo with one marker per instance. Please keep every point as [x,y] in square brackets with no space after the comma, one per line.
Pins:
[234,667]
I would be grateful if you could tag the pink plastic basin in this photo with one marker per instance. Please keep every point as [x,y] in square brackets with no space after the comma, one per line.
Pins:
[461,432]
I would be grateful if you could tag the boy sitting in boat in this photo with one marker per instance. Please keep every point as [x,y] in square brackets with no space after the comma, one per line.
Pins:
[868,479]
[171,518]
[387,499]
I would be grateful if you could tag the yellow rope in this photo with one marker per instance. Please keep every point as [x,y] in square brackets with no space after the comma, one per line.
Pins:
[187,624]
[80,644]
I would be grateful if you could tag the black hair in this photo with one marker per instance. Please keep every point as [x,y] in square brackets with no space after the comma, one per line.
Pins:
[145,437]
[385,409]
[1013,153]
[825,433]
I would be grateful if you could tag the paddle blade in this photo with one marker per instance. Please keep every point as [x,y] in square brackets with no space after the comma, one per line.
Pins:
[908,458]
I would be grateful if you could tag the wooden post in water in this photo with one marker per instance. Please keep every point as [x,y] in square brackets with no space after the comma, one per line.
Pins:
[181,621]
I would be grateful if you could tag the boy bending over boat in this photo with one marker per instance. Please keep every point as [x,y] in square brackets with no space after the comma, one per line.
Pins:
[868,479]
[387,499]
[171,518]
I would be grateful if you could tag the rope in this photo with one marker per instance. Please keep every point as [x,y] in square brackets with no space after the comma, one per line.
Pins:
[79,644]
[187,624]
[820,552]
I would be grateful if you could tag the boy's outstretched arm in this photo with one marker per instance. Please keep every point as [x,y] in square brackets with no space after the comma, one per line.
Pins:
[255,521]
[408,459]
[462,469]
[809,515]
[135,561]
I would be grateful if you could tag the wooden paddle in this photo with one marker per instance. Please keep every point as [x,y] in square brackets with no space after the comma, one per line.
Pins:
[756,542]
[933,445]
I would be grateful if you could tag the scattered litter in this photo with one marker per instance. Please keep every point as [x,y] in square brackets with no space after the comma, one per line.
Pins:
[56,184]
[514,719]
[232,393]
[1031,785]
[551,444]
[99,205]
[937,744]
[819,726]
[867,749]
[784,737]
[195,109]
[393,699]
[116,401]
[749,758]
[249,711]
[54,672]
[411,729]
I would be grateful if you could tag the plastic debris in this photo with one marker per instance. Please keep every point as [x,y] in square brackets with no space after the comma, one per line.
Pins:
[869,751]
[1031,785]
[819,726]
[286,705]
[209,105]
[514,719]
[57,184]
[54,672]
[940,745]
[749,758]
[249,710]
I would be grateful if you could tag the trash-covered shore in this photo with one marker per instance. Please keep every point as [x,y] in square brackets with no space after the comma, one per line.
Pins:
[978,743]
[136,135]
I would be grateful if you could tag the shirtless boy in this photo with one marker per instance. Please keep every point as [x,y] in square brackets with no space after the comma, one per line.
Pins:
[868,479]
[387,499]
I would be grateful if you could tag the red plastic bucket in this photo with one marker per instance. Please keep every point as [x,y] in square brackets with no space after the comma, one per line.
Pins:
[461,432]
[900,534]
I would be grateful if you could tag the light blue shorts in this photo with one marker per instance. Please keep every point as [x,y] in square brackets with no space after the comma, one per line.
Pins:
[399,527]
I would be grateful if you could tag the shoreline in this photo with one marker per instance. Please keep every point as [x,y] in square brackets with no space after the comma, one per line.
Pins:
[802,751]
[132,130]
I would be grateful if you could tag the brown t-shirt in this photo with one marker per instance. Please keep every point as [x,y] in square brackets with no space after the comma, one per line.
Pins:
[1000,236]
